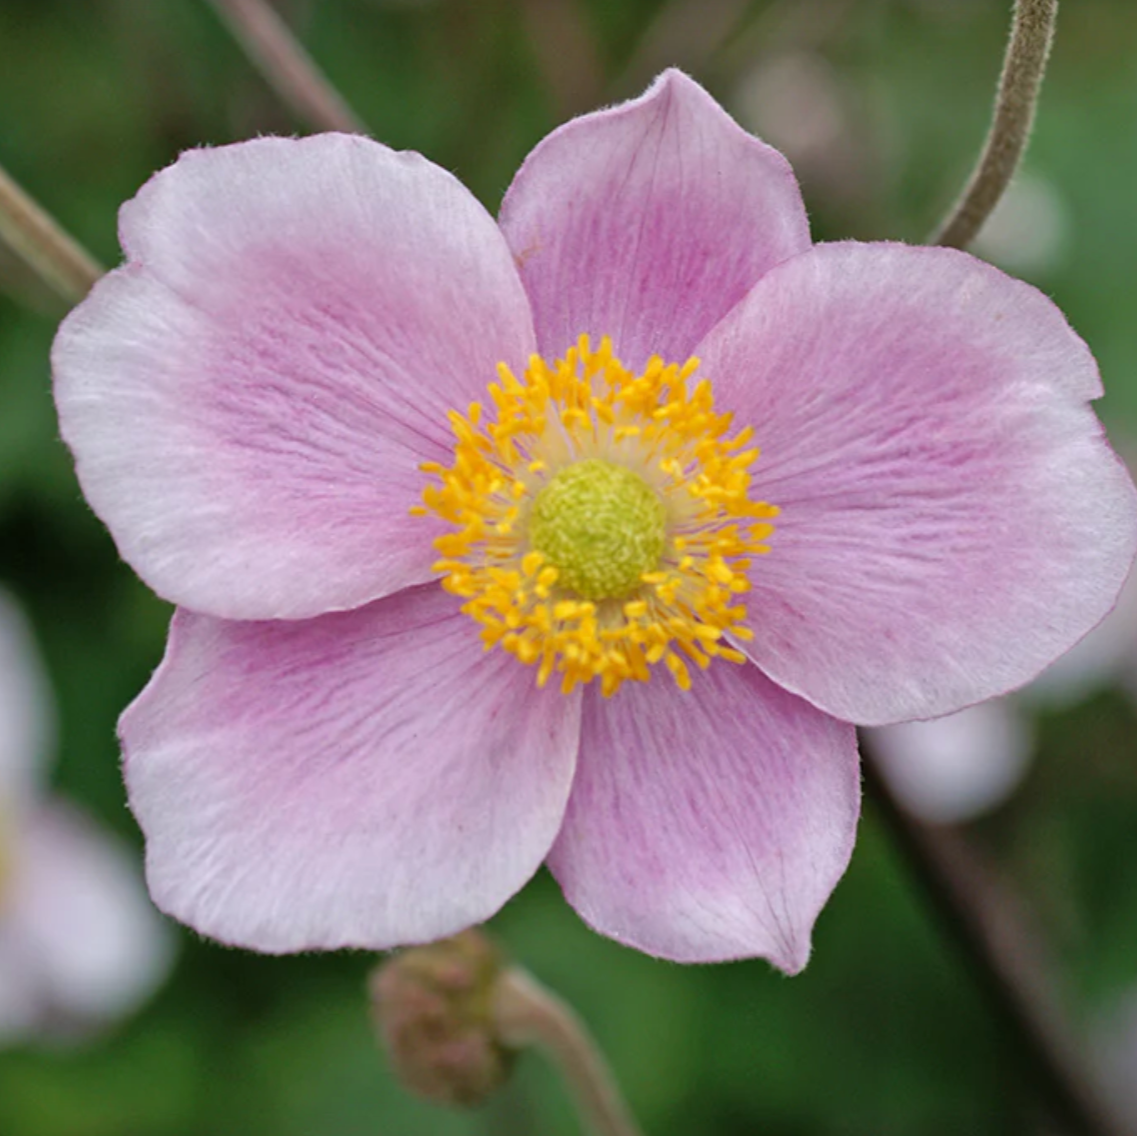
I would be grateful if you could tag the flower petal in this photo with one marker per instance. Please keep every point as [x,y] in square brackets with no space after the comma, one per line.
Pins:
[249,398]
[364,779]
[708,825]
[1106,656]
[648,222]
[952,517]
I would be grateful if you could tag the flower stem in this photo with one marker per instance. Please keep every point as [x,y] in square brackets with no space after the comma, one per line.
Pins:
[286,66]
[57,258]
[1032,33]
[528,1014]
[1005,959]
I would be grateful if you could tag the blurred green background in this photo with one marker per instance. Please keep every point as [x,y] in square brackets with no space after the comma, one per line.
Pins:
[882,105]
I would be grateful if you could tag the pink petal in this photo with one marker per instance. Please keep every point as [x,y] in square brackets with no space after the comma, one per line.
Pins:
[1106,656]
[249,398]
[708,825]
[648,222]
[363,779]
[952,516]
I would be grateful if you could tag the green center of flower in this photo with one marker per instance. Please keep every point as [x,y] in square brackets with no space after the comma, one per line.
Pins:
[601,526]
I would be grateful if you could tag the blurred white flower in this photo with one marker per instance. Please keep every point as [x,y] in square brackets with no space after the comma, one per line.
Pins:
[80,943]
[956,767]
[1027,232]
[796,101]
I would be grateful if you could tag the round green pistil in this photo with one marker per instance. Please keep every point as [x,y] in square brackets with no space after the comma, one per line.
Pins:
[600,526]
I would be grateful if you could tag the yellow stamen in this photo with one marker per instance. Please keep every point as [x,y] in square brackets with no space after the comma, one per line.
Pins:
[601,519]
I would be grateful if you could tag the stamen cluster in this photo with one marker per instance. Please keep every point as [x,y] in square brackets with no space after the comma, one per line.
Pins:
[581,408]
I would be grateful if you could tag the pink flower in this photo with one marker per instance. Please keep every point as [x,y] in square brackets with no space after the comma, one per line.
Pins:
[80,944]
[328,755]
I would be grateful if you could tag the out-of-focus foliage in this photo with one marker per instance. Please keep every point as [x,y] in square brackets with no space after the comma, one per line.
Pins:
[882,104]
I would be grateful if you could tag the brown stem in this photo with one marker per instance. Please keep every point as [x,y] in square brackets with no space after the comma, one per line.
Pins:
[286,66]
[56,257]
[528,1014]
[989,932]
[1032,32]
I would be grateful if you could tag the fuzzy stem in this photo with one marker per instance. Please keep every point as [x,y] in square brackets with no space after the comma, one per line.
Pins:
[57,258]
[286,66]
[988,933]
[528,1014]
[1032,33]
[1004,958]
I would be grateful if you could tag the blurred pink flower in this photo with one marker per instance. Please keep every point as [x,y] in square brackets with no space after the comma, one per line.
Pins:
[80,943]
[328,757]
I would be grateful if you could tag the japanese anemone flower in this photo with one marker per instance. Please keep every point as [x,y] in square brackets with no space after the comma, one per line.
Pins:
[477,563]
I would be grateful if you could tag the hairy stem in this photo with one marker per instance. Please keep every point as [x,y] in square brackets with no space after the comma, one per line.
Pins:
[528,1014]
[1005,959]
[1032,32]
[286,66]
[57,258]
[986,929]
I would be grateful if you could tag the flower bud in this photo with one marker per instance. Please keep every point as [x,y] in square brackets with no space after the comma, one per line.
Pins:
[433,1008]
